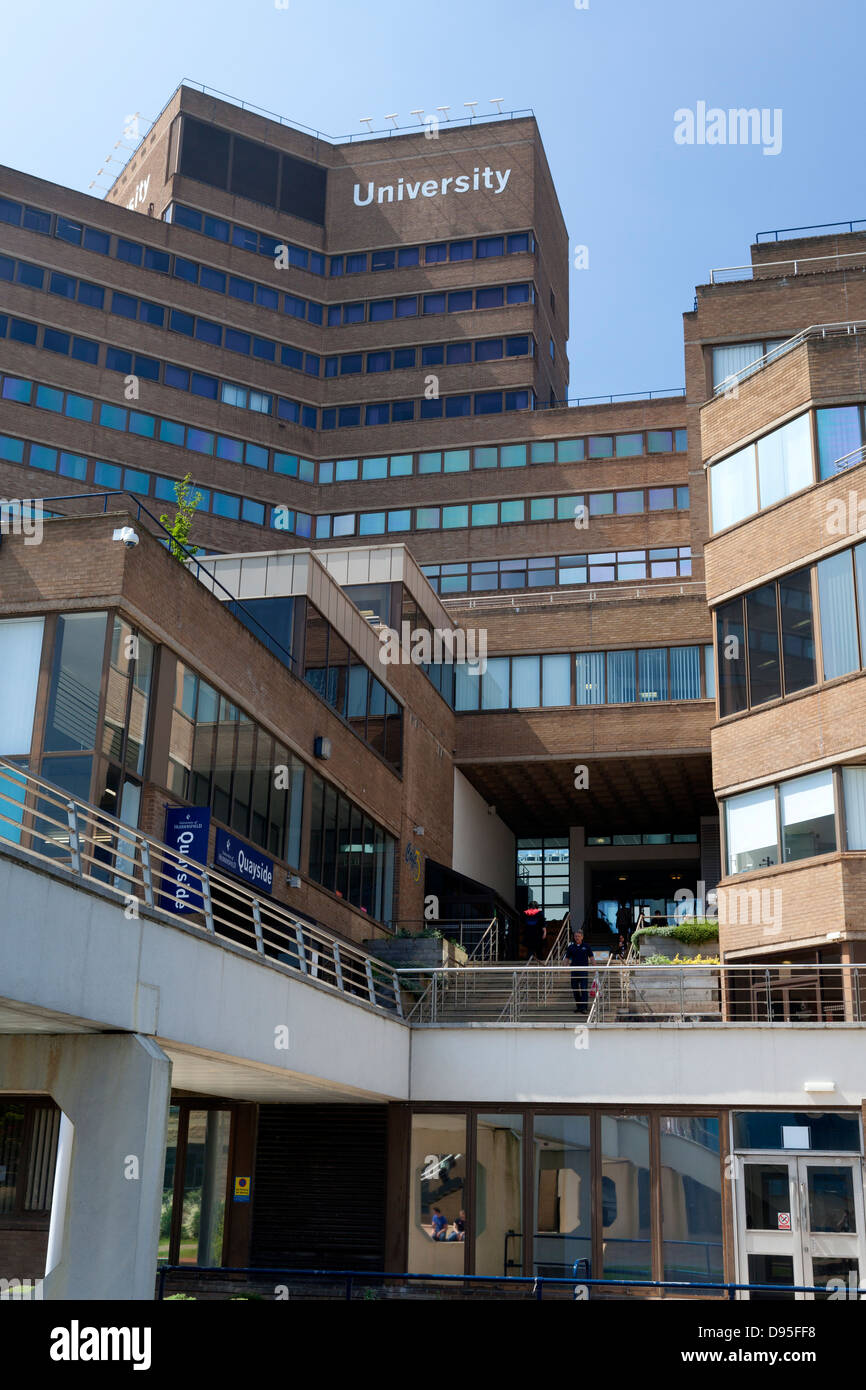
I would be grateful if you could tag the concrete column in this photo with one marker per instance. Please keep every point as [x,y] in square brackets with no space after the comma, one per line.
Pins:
[577,880]
[114,1090]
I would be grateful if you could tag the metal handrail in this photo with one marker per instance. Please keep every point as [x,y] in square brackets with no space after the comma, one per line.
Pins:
[846,328]
[588,593]
[67,835]
[725,270]
[776,232]
[487,948]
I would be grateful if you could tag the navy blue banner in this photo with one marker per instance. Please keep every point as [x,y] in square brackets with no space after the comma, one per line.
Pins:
[186,832]
[239,859]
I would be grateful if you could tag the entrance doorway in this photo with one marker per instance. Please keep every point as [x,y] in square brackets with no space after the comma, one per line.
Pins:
[800,1222]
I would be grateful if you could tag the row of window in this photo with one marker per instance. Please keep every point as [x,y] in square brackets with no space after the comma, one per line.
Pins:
[238,287]
[536,572]
[642,838]
[735,358]
[642,676]
[766,638]
[200,441]
[783,462]
[346,683]
[246,398]
[796,819]
[516,509]
[354,262]
[127,306]
[350,854]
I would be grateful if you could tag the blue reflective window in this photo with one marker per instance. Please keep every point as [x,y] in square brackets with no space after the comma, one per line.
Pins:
[177,377]
[381,309]
[245,239]
[148,367]
[516,294]
[430,409]
[351,363]
[22,331]
[295,306]
[206,386]
[94,295]
[97,241]
[403,357]
[491,297]
[253,511]
[124,305]
[185,270]
[314,312]
[432,355]
[156,260]
[264,349]
[382,260]
[336,267]
[298,257]
[378,361]
[106,474]
[457,353]
[78,408]
[458,300]
[402,410]
[112,417]
[128,251]
[11,449]
[231,449]
[208,332]
[400,520]
[517,347]
[55,341]
[37,221]
[226,505]
[516,400]
[10,212]
[268,245]
[151,313]
[288,410]
[73,466]
[116,360]
[237,341]
[136,480]
[329,419]
[7,268]
[487,246]
[349,415]
[241,289]
[433,255]
[356,263]
[145,425]
[489,351]
[200,441]
[215,280]
[32,275]
[434,304]
[292,357]
[518,241]
[186,217]
[378,414]
[43,457]
[311,364]
[16,389]
[256,456]
[63,285]
[456,406]
[215,228]
[408,255]
[407,306]
[353,313]
[267,298]
[488,403]
[332,366]
[85,350]
[171,432]
[461,250]
[317,263]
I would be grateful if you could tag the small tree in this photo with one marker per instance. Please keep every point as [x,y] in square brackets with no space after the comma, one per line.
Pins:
[179,529]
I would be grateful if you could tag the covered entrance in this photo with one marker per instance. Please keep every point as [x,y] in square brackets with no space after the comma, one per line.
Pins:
[799,1213]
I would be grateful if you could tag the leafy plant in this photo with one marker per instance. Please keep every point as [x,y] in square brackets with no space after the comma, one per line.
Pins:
[691,932]
[179,530]
[180,1298]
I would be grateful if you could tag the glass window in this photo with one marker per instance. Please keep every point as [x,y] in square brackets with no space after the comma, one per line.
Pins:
[734,488]
[685,673]
[761,619]
[494,683]
[808,816]
[499,1193]
[437,1218]
[854,788]
[652,666]
[627,445]
[798,643]
[512,456]
[485,513]
[76,674]
[556,680]
[20,655]
[691,1189]
[589,678]
[785,461]
[427,519]
[493,297]
[659,442]
[454,518]
[629,503]
[512,511]
[563,1195]
[839,438]
[751,831]
[838,615]
[731,647]
[621,678]
[625,1197]
[525,682]
[542,509]
[78,407]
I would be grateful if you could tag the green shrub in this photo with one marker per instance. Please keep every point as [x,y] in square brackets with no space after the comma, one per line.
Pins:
[691,933]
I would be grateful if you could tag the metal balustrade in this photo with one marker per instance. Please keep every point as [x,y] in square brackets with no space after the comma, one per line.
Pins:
[723,274]
[69,836]
[618,992]
[846,329]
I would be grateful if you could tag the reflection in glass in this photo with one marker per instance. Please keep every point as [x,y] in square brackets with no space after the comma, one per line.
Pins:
[168,1182]
[499,1195]
[204,1188]
[563,1195]
[777,1270]
[437,1224]
[73,699]
[831,1199]
[691,1183]
[626,1241]
[768,1197]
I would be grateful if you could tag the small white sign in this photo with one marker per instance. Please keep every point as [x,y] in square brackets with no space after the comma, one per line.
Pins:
[795,1137]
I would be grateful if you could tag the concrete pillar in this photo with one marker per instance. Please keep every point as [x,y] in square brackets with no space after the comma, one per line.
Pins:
[577,874]
[114,1090]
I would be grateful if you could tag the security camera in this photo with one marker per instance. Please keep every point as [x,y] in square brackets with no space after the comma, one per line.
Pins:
[127,535]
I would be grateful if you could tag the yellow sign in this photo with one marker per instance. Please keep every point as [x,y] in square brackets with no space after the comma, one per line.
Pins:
[242,1189]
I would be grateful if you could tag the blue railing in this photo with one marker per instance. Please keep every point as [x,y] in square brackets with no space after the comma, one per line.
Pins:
[537,1283]
[778,232]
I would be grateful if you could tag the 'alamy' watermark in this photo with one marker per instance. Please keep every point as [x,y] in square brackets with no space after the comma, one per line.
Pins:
[438,646]
[736,126]
[22,516]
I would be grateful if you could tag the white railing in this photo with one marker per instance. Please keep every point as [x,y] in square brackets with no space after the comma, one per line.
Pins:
[801,266]
[68,836]
[846,329]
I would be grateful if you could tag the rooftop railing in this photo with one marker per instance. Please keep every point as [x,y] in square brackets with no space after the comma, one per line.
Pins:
[631,992]
[538,598]
[846,329]
[801,265]
[68,836]
[783,232]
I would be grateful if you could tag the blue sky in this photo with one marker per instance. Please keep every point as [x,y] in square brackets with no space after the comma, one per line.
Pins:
[604,83]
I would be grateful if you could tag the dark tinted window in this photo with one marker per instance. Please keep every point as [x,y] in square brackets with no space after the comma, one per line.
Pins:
[302,190]
[205,153]
[254,171]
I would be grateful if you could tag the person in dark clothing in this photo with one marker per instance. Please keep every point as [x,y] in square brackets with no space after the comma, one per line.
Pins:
[534,930]
[579,955]
[624,920]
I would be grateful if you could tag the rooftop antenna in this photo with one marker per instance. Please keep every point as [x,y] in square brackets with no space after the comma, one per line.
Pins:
[392,116]
[497,102]
[417,111]
[446,109]
[367,121]
[472,105]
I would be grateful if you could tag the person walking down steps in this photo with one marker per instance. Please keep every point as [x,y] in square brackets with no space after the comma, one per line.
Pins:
[580,956]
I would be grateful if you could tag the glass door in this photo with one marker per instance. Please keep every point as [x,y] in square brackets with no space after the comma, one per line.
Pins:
[800,1222]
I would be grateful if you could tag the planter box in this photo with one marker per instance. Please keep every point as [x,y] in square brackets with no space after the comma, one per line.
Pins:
[670,947]
[425,952]
[660,988]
